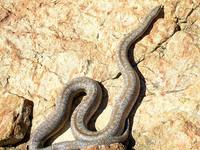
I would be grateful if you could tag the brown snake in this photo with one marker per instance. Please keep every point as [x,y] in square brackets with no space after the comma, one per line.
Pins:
[113,132]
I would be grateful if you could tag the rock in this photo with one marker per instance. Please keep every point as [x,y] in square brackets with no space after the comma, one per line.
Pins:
[44,44]
[9,148]
[115,146]
[14,118]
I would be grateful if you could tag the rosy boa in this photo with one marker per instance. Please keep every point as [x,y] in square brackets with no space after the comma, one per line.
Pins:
[114,130]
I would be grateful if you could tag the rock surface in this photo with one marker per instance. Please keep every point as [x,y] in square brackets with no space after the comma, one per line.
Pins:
[44,44]
[14,119]
[115,146]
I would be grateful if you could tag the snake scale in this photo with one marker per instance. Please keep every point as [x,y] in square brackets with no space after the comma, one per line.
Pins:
[114,130]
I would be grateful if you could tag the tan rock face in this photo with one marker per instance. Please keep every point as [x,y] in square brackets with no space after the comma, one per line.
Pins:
[115,146]
[14,119]
[44,44]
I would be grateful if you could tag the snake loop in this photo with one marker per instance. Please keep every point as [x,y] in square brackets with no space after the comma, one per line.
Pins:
[113,132]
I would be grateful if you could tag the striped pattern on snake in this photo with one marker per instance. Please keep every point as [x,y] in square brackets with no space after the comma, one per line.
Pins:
[113,132]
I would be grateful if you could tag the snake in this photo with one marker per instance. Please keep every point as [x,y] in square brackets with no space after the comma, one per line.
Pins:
[117,128]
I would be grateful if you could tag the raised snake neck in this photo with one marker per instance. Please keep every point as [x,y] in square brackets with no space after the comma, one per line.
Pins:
[113,132]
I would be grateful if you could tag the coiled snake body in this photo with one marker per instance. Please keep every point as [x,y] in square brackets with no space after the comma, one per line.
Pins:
[113,132]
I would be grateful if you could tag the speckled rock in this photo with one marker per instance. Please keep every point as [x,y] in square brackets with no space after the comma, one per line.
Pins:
[14,119]
[44,44]
[115,146]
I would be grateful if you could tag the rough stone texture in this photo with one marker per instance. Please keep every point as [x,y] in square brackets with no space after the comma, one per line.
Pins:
[14,119]
[44,44]
[9,148]
[115,146]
